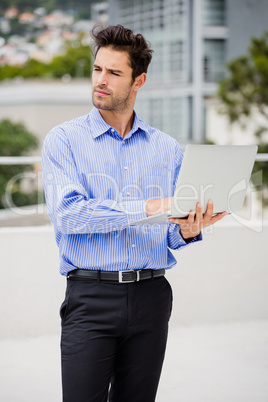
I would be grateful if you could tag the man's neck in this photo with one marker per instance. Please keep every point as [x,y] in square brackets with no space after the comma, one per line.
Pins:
[121,121]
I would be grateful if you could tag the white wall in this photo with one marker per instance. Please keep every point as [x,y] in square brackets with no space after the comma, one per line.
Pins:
[31,288]
[224,277]
[220,131]
[42,105]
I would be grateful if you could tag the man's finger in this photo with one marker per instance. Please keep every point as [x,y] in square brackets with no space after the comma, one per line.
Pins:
[191,217]
[199,213]
[209,212]
[217,217]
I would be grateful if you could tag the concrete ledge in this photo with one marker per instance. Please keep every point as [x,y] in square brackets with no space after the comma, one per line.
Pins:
[44,92]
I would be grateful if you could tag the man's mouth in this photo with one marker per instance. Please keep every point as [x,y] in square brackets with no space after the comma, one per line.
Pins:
[99,92]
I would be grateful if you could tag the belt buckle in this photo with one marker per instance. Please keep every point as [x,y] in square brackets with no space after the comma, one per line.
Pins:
[120,276]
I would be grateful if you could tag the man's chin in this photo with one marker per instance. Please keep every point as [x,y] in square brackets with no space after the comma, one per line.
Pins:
[100,104]
[101,107]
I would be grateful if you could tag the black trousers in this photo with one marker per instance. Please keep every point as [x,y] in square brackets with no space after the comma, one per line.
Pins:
[113,339]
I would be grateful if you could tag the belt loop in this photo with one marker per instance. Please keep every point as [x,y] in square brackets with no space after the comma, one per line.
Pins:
[152,274]
[99,276]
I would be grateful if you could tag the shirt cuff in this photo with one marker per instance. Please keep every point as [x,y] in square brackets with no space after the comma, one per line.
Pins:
[193,239]
[134,210]
[175,239]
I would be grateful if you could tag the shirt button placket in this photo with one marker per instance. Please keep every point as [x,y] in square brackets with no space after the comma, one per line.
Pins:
[128,194]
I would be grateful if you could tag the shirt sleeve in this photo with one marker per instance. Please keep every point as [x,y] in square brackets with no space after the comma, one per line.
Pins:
[175,239]
[69,206]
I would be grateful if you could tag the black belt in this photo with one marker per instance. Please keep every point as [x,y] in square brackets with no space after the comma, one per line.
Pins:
[118,276]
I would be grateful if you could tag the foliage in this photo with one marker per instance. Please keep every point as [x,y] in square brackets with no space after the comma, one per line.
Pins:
[9,72]
[15,140]
[17,28]
[245,91]
[263,168]
[75,62]
[49,5]
[246,88]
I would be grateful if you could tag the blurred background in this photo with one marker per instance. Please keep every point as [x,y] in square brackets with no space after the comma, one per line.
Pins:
[207,83]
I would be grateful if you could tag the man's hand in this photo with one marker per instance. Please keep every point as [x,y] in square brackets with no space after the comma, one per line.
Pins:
[196,220]
[154,207]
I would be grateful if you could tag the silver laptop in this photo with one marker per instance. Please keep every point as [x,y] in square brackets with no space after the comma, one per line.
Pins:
[220,173]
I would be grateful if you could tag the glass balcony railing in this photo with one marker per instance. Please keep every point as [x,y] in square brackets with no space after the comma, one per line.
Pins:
[14,212]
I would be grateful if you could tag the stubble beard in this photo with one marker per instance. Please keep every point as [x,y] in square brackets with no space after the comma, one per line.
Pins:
[115,104]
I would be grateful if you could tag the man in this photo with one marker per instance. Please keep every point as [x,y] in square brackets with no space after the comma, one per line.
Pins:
[102,171]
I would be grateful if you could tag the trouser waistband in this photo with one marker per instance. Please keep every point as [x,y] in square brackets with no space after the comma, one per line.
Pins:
[118,276]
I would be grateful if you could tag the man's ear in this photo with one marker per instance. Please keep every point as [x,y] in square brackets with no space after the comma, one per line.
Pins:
[139,82]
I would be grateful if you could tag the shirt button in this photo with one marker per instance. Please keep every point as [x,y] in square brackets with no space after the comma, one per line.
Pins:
[112,130]
[128,193]
[123,142]
[133,245]
[125,167]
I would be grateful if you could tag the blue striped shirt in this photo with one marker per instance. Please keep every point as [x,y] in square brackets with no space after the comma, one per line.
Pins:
[96,182]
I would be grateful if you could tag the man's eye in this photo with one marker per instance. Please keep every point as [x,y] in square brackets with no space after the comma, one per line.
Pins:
[115,74]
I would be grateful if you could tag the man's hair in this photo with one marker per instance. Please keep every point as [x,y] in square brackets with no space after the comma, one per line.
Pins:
[124,40]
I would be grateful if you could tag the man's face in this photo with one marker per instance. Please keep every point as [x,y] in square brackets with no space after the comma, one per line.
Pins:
[112,80]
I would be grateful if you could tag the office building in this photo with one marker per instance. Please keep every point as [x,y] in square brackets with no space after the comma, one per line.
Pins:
[192,41]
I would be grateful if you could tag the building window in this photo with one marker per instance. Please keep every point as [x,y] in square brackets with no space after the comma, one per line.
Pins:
[156,67]
[177,59]
[156,113]
[176,14]
[168,114]
[177,124]
[142,15]
[214,12]
[214,60]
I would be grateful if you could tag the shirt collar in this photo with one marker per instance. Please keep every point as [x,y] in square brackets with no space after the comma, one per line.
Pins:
[99,126]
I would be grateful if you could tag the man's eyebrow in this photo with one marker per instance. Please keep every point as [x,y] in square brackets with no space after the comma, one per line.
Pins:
[113,70]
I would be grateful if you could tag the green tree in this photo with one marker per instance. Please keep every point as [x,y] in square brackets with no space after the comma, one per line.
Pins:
[75,62]
[15,140]
[245,92]
[8,72]
[50,5]
[34,69]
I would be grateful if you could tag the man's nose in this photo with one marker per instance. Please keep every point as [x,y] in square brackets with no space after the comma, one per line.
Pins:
[102,78]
